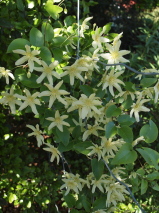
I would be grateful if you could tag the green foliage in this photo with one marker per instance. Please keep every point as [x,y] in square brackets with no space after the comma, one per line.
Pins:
[29,180]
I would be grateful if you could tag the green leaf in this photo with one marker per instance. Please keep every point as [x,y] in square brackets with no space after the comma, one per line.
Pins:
[69,21]
[53,10]
[18,43]
[110,129]
[125,155]
[126,133]
[113,111]
[107,27]
[76,132]
[82,147]
[58,54]
[97,168]
[63,148]
[100,203]
[20,5]
[100,93]
[153,175]
[63,136]
[150,132]
[144,186]
[155,186]
[130,86]
[29,204]
[47,31]
[128,103]
[36,37]
[60,41]
[28,82]
[86,204]
[150,156]
[70,200]
[45,54]
[87,90]
[147,82]
[12,197]
[125,120]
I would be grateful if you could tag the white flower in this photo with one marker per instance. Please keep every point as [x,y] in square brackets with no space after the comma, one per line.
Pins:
[54,151]
[91,130]
[47,71]
[111,80]
[95,149]
[54,93]
[29,100]
[115,56]
[74,71]
[87,105]
[6,73]
[29,56]
[138,107]
[58,121]
[10,99]
[37,133]
[156,88]
[84,26]
[98,39]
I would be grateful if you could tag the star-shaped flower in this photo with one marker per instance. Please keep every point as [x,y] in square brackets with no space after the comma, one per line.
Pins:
[47,71]
[111,80]
[54,93]
[58,121]
[87,105]
[10,99]
[115,55]
[54,152]
[37,133]
[98,39]
[28,56]
[138,107]
[29,100]
[84,26]
[6,73]
[91,130]
[74,71]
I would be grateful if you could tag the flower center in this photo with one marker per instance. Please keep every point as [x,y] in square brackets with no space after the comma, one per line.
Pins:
[58,120]
[47,70]
[115,55]
[10,98]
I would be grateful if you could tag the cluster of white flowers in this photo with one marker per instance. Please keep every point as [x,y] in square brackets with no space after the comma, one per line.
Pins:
[91,109]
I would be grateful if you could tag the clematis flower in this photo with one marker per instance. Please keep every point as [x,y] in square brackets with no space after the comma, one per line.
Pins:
[10,99]
[95,149]
[37,133]
[28,56]
[98,39]
[58,121]
[54,151]
[72,182]
[109,146]
[138,107]
[156,88]
[47,71]
[74,71]
[54,93]
[87,105]
[6,73]
[29,100]
[111,80]
[115,55]
[91,130]
[84,26]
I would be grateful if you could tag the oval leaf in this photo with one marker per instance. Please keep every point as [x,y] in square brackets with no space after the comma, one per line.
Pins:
[36,37]
[125,155]
[97,168]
